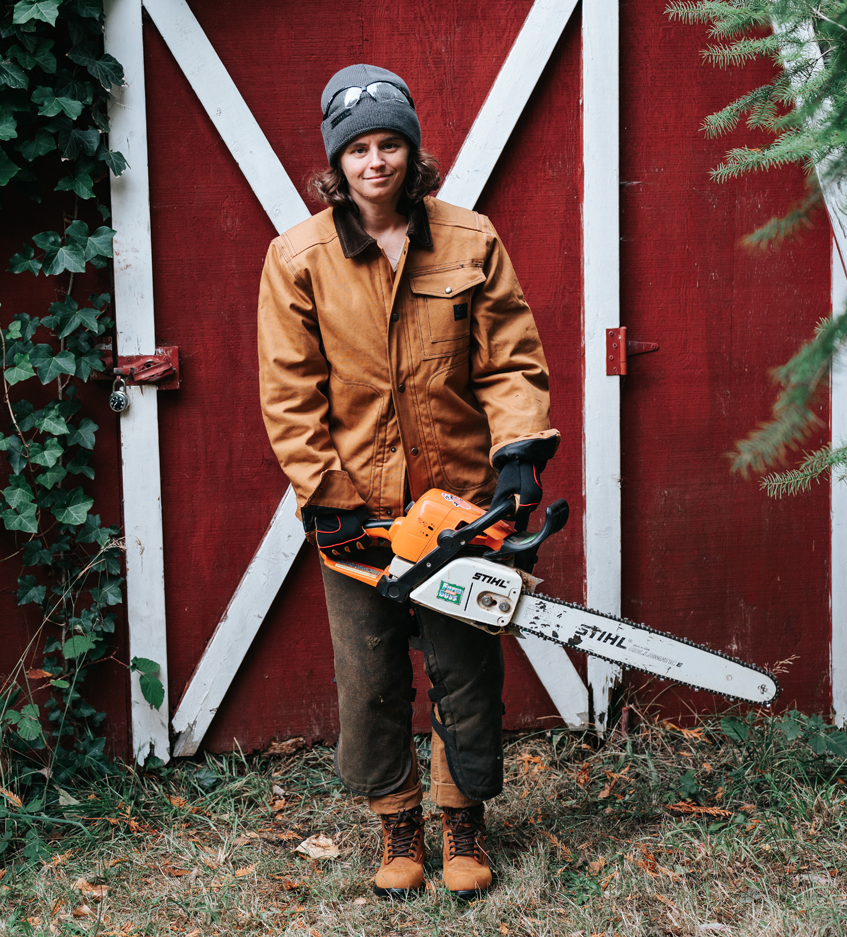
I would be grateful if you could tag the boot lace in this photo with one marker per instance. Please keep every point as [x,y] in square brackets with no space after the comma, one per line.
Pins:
[401,829]
[465,827]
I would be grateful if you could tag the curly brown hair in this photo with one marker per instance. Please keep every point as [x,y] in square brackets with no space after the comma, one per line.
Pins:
[422,177]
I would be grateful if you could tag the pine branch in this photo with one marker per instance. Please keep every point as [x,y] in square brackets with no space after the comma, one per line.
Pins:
[779,229]
[814,467]
[802,378]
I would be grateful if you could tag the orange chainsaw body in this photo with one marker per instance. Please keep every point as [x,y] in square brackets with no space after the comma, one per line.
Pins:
[416,534]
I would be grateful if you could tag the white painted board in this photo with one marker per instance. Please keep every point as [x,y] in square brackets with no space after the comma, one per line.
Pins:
[601,311]
[133,265]
[838,502]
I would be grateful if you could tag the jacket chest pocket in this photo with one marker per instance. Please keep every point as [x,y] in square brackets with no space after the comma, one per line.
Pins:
[443,300]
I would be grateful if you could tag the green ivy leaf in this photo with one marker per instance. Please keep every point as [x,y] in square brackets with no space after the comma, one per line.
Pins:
[37,53]
[36,555]
[107,70]
[90,8]
[79,465]
[83,435]
[53,422]
[29,592]
[92,532]
[44,10]
[18,493]
[13,75]
[43,142]
[77,645]
[115,161]
[66,257]
[62,363]
[24,261]
[25,520]
[100,243]
[88,362]
[8,169]
[47,240]
[82,184]
[21,371]
[50,105]
[14,331]
[52,476]
[836,743]
[152,690]
[13,448]
[78,141]
[48,454]
[144,665]
[8,125]
[110,594]
[75,509]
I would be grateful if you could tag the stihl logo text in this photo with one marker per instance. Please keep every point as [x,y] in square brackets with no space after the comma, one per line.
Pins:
[490,580]
[597,634]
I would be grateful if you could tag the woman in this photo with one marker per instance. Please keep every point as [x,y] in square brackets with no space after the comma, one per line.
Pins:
[397,354]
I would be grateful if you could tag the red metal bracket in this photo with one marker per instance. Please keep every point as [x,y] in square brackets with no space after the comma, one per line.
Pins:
[618,349]
[160,368]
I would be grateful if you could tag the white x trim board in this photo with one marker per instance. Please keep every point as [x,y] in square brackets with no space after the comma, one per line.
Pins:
[479,154]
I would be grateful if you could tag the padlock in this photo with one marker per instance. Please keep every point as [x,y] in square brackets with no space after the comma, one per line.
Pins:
[119,398]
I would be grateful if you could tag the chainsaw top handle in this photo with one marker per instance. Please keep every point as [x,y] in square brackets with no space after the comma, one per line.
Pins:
[451,542]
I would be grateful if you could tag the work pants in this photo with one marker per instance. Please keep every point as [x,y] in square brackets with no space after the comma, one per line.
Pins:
[375,755]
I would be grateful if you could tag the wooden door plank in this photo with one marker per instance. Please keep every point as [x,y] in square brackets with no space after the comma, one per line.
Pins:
[838,502]
[133,264]
[227,110]
[559,677]
[601,311]
[238,627]
[506,100]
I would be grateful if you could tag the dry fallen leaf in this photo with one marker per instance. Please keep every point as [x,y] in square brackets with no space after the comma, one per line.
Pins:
[83,911]
[240,873]
[286,747]
[177,801]
[278,805]
[713,927]
[173,871]
[319,847]
[597,865]
[13,797]
[360,901]
[38,674]
[277,791]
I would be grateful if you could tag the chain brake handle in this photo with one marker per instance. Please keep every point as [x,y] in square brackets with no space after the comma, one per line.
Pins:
[555,519]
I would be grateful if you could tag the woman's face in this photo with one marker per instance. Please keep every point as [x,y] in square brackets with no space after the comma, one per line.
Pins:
[375,166]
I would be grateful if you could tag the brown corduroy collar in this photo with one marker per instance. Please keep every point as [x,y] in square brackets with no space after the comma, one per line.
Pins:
[354,239]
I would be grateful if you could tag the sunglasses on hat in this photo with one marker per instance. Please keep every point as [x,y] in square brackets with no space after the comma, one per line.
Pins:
[382,92]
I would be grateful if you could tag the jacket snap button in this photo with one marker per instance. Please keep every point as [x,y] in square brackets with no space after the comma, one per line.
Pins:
[449,289]
[401,388]
[414,450]
[393,449]
[395,316]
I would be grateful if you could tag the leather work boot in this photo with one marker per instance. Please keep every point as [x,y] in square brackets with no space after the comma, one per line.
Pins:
[401,874]
[466,871]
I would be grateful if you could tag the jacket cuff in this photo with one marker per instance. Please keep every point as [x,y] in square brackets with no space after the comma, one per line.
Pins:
[335,490]
[536,447]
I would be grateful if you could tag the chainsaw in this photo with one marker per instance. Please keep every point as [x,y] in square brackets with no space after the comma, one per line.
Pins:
[470,564]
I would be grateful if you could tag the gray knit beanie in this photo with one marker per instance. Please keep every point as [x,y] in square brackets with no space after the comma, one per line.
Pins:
[345,125]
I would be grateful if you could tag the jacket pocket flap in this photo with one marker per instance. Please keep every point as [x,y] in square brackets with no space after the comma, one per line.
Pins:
[446,283]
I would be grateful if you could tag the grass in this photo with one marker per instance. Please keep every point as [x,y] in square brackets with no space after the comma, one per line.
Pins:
[733,828]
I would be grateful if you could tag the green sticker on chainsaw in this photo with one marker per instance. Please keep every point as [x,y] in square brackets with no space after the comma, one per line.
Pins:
[450,593]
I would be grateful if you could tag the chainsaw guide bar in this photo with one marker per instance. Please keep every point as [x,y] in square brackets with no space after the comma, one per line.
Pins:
[639,647]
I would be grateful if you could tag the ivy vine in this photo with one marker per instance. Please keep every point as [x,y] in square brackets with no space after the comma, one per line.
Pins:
[55,84]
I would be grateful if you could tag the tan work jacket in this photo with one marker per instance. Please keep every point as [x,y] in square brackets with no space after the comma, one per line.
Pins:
[374,380]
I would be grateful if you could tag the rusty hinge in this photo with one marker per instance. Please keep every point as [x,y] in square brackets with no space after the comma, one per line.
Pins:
[618,349]
[161,368]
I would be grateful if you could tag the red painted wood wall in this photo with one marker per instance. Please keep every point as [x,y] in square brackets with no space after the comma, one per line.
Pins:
[705,553]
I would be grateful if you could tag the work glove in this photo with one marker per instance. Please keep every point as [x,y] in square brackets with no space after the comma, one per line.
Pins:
[337,528]
[520,465]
